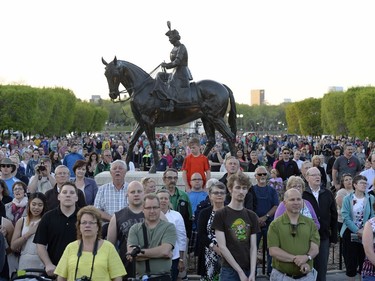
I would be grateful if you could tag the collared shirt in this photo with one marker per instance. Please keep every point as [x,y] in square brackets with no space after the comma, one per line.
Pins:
[316,194]
[110,200]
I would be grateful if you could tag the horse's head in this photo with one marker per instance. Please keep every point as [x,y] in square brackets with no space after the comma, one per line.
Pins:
[113,73]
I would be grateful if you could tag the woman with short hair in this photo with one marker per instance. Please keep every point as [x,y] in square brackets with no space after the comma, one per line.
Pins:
[90,256]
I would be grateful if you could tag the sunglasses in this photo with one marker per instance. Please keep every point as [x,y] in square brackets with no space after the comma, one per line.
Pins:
[262,174]
[293,229]
[218,192]
[6,166]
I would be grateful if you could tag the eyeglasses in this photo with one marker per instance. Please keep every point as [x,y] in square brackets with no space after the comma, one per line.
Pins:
[218,192]
[6,166]
[18,189]
[362,182]
[262,174]
[286,153]
[88,222]
[196,179]
[314,175]
[293,230]
[171,178]
[151,208]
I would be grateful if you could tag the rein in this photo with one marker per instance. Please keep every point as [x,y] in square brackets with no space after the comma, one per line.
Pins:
[126,91]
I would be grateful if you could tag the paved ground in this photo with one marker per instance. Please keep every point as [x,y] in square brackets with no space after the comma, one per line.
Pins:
[333,275]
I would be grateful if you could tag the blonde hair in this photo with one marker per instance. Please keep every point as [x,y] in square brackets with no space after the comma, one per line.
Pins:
[295,180]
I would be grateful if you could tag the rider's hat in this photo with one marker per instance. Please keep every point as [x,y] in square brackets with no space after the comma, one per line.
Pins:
[173,34]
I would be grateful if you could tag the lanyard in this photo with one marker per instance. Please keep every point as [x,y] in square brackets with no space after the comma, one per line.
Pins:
[79,254]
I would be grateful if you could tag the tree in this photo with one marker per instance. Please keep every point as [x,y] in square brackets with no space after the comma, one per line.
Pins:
[308,112]
[292,118]
[333,114]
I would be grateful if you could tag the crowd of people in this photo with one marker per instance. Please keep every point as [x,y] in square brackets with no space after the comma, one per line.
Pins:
[310,192]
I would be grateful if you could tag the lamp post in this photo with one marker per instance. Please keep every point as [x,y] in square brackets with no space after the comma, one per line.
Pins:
[240,116]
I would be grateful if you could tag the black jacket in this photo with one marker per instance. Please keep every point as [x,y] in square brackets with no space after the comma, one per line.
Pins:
[326,212]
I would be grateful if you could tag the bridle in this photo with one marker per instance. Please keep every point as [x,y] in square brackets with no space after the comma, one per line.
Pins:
[139,86]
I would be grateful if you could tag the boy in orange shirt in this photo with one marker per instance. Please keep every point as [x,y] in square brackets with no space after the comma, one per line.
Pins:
[195,162]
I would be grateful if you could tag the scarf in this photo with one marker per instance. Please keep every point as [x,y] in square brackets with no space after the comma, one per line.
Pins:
[18,207]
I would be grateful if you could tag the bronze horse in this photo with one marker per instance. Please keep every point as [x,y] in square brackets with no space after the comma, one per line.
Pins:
[211,108]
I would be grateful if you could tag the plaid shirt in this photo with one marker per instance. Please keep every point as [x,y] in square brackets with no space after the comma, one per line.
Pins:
[110,200]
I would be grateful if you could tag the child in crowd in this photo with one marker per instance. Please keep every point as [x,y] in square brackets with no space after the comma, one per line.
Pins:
[195,162]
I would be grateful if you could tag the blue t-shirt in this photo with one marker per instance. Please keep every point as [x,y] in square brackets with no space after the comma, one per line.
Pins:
[266,199]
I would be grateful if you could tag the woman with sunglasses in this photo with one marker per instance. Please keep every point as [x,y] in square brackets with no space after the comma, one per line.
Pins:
[24,232]
[90,256]
[357,208]
[207,249]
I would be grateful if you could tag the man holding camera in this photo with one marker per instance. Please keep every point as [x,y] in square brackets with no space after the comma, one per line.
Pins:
[43,180]
[155,259]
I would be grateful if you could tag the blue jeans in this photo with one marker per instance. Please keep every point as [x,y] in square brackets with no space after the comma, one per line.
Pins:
[368,278]
[228,273]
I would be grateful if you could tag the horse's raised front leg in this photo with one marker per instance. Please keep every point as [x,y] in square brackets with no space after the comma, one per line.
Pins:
[150,132]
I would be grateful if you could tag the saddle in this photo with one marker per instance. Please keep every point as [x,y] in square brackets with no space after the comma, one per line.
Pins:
[184,97]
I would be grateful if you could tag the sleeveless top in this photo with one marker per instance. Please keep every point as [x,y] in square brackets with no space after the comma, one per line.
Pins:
[29,257]
[125,219]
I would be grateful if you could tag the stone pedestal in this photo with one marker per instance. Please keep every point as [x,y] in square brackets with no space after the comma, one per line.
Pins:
[105,177]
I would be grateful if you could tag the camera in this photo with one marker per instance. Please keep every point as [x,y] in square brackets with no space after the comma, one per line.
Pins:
[136,250]
[41,167]
[83,278]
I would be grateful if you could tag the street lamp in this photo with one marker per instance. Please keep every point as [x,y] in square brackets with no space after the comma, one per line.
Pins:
[240,116]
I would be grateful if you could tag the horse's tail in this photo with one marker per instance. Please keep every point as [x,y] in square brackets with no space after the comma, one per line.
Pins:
[232,112]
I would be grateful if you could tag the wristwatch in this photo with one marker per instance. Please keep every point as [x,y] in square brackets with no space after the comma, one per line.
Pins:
[309,258]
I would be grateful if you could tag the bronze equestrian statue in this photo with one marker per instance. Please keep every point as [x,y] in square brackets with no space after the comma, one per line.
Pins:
[206,99]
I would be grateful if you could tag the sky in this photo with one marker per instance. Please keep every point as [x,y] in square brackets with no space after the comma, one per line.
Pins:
[292,49]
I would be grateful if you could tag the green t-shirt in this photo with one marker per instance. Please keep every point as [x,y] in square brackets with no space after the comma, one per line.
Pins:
[164,232]
[280,235]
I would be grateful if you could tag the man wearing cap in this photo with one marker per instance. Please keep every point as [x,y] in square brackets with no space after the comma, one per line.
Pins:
[7,169]
[180,77]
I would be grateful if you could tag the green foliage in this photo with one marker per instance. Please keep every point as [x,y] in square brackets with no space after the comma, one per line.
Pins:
[51,111]
[292,118]
[364,104]
[308,112]
[332,113]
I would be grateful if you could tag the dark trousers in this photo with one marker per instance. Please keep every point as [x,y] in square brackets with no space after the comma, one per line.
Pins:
[321,260]
[353,253]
